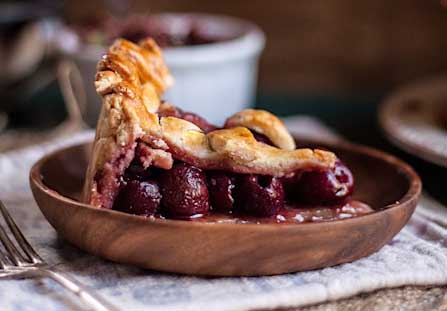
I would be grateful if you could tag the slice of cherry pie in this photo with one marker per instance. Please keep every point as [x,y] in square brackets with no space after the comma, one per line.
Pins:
[150,158]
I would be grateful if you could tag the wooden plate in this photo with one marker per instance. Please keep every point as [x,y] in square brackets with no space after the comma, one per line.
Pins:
[415,119]
[229,249]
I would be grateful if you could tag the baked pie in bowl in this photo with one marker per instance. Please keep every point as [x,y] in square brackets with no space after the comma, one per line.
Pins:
[150,158]
[164,189]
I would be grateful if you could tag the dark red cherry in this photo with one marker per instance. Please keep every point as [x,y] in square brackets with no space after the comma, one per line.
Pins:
[220,187]
[138,197]
[325,187]
[259,195]
[184,190]
[199,121]
[344,175]
[290,183]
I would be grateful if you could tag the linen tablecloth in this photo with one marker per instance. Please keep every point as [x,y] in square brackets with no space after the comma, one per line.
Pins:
[416,256]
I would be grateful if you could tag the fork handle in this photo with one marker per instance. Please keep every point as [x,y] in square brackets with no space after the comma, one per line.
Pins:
[95,302]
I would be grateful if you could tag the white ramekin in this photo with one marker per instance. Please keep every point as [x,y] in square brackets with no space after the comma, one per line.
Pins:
[214,80]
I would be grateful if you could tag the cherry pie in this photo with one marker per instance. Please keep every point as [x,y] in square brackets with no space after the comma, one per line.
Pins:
[150,158]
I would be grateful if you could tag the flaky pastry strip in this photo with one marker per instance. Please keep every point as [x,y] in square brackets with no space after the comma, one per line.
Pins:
[265,123]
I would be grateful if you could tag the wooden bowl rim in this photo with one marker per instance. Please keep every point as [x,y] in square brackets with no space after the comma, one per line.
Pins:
[412,194]
[386,121]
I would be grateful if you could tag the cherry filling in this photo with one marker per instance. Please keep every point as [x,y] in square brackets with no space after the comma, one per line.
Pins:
[329,187]
[136,172]
[139,198]
[260,195]
[262,138]
[185,192]
[221,188]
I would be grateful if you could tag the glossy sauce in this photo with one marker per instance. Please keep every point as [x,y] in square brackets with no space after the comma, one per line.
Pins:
[296,214]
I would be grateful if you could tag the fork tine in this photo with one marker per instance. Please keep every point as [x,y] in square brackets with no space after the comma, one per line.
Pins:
[3,260]
[23,242]
[12,250]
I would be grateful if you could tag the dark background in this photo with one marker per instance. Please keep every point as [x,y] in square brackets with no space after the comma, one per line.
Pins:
[323,47]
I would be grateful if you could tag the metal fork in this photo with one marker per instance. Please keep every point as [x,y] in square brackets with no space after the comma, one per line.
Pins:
[17,264]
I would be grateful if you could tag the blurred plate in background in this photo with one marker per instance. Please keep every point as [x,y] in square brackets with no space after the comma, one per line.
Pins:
[414,118]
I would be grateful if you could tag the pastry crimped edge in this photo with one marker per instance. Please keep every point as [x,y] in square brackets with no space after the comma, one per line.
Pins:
[131,78]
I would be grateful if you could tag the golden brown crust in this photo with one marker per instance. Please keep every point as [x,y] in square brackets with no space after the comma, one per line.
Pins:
[265,123]
[131,78]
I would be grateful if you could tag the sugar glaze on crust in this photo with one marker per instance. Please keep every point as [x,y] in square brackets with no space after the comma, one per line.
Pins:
[131,78]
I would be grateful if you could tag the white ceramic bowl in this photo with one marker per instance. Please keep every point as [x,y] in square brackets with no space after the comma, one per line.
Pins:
[215,80]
